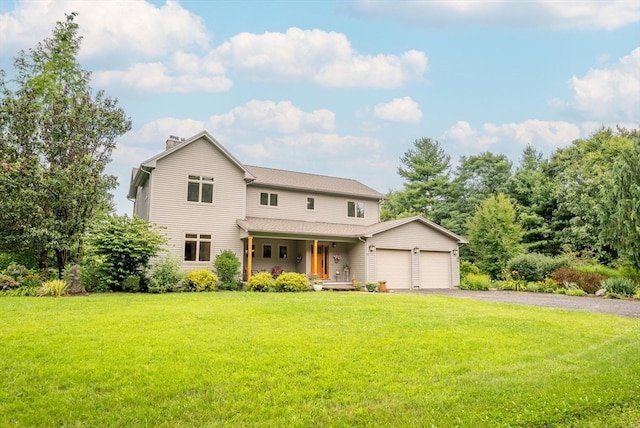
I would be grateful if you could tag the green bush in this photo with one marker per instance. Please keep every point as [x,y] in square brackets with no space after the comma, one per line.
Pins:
[199,280]
[131,284]
[55,287]
[474,281]
[165,276]
[620,286]
[262,281]
[534,267]
[371,286]
[292,281]
[227,267]
[17,280]
[92,277]
[466,267]
[575,292]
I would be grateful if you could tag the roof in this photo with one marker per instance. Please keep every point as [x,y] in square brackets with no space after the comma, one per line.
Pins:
[311,228]
[269,177]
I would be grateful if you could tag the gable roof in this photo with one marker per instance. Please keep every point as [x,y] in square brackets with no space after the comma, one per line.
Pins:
[278,178]
[392,224]
[140,175]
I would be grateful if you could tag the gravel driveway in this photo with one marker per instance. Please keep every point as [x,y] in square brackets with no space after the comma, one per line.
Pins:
[627,308]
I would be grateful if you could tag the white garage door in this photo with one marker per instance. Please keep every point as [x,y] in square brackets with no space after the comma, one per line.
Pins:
[394,266]
[435,270]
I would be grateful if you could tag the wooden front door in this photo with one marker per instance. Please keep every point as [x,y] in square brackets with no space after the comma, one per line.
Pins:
[322,259]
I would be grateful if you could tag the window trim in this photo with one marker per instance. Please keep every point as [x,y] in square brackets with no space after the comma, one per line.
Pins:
[271,196]
[356,210]
[198,238]
[264,251]
[201,180]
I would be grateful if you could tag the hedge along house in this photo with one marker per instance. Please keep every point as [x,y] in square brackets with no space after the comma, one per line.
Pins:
[276,220]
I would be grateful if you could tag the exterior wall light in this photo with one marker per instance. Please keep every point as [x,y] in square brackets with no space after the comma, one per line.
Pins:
[372,248]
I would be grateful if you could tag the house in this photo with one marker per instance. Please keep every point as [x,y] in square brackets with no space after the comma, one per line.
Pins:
[207,201]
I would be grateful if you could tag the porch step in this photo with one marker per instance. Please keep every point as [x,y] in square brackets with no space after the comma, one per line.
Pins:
[338,286]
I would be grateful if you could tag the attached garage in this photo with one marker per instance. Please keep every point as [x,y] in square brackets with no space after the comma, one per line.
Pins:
[394,266]
[435,269]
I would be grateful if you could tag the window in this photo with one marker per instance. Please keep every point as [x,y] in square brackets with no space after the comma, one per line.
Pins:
[266,252]
[355,209]
[197,247]
[283,252]
[270,199]
[200,189]
[311,204]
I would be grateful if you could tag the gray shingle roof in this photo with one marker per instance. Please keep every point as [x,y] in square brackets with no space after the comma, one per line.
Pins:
[270,177]
[296,227]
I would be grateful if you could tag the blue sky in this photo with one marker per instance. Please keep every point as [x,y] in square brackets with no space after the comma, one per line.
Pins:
[344,88]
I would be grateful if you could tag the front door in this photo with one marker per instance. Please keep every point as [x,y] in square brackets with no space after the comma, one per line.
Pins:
[323,264]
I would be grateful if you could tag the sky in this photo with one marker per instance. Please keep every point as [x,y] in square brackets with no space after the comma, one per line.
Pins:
[345,87]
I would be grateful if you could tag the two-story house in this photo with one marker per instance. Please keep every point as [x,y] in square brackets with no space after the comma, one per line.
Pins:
[207,201]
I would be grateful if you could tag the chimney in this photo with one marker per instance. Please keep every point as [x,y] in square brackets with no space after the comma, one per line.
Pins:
[173,141]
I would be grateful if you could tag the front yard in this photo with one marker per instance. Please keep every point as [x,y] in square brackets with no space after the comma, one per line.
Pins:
[312,359]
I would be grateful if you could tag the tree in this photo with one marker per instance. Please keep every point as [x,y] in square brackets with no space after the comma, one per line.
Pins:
[425,169]
[124,246]
[477,178]
[56,138]
[579,172]
[494,235]
[621,206]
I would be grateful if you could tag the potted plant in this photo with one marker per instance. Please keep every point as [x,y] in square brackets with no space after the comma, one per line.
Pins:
[316,282]
[382,286]
[371,286]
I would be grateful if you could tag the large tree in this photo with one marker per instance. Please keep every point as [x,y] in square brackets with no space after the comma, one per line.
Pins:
[56,138]
[621,205]
[494,234]
[425,169]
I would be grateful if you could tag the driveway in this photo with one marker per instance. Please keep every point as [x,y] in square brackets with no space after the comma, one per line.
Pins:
[627,308]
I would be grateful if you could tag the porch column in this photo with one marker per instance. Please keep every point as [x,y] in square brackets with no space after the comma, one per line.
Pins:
[314,258]
[249,256]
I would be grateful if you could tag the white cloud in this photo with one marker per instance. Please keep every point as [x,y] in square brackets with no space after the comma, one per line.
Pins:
[534,132]
[282,117]
[325,58]
[607,94]
[399,110]
[157,131]
[538,14]
[109,28]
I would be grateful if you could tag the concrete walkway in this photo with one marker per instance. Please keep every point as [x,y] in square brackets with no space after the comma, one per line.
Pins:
[627,308]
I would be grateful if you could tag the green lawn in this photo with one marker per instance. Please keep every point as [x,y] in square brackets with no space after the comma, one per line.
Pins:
[312,359]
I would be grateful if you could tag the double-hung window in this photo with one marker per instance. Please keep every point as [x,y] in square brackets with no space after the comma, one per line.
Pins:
[269,199]
[355,209]
[311,203]
[200,189]
[197,247]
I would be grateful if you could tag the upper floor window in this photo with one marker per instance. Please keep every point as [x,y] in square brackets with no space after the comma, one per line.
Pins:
[200,189]
[197,247]
[355,209]
[311,204]
[269,199]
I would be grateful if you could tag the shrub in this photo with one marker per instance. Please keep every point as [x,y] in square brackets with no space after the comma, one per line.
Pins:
[534,267]
[131,283]
[165,276]
[227,267]
[17,280]
[55,287]
[199,280]
[92,277]
[621,286]
[292,281]
[591,282]
[466,267]
[565,275]
[371,286]
[262,281]
[474,281]
[575,292]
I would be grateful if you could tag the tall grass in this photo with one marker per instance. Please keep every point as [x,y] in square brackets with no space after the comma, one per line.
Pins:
[312,359]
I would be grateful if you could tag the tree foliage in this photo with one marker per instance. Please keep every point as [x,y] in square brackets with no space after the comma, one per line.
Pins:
[494,234]
[124,246]
[621,206]
[56,138]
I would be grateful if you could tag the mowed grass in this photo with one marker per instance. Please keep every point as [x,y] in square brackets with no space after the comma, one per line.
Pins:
[312,359]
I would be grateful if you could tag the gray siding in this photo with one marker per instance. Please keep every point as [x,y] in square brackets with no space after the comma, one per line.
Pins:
[292,205]
[171,210]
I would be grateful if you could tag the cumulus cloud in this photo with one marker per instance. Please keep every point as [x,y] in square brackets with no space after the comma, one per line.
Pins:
[325,58]
[157,131]
[134,27]
[535,132]
[399,110]
[537,14]
[607,94]
[282,117]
